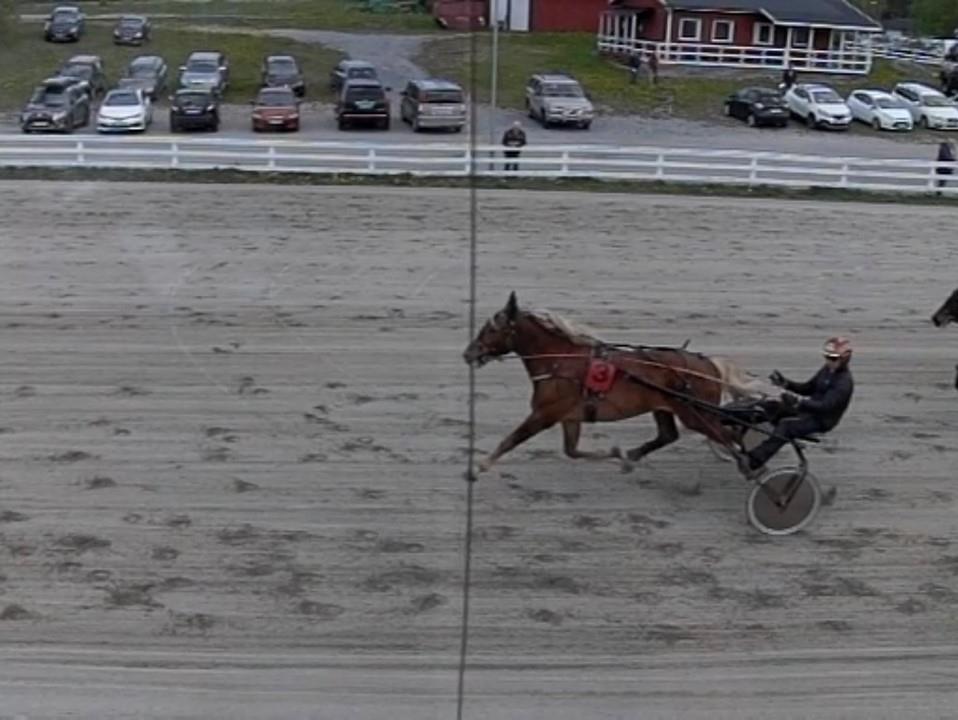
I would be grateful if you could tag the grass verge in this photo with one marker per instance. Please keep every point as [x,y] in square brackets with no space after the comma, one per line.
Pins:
[25,46]
[305,14]
[533,184]
[694,93]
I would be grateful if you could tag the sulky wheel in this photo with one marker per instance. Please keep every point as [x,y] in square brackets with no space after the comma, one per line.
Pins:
[784,501]
[750,440]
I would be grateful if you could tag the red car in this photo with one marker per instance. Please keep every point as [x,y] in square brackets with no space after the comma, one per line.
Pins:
[275,109]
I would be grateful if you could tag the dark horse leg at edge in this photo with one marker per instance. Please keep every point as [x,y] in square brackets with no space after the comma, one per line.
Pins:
[946,314]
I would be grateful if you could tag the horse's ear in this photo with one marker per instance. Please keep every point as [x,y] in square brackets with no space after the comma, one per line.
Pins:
[512,306]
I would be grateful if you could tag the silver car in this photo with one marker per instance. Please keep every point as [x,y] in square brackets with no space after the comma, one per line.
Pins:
[205,71]
[558,99]
[433,104]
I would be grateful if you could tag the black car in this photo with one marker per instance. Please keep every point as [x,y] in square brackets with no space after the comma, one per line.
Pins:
[88,68]
[362,101]
[351,70]
[132,30]
[758,106]
[283,71]
[56,105]
[65,24]
[192,109]
[146,72]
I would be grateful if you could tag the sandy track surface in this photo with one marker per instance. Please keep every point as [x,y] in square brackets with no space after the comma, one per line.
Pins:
[232,450]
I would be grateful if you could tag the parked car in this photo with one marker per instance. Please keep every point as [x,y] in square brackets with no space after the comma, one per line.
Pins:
[929,108]
[818,105]
[351,70]
[132,30]
[193,109]
[147,73]
[275,109]
[205,71]
[83,85]
[880,110]
[283,70]
[433,104]
[758,106]
[363,101]
[65,23]
[125,110]
[88,68]
[56,104]
[558,98]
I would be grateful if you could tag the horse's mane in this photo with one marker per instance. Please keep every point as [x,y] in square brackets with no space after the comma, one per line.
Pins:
[573,332]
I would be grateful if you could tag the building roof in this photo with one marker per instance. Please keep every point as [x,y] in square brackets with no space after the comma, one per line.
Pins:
[838,13]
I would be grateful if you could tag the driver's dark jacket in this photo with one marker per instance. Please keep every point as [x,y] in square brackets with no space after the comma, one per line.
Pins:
[827,395]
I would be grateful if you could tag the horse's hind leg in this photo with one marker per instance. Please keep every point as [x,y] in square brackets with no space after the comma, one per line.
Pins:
[668,434]
[571,430]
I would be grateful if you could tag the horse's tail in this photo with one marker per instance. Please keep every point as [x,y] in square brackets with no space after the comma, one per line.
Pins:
[738,383]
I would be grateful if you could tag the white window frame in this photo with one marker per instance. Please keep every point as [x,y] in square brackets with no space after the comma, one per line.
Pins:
[808,42]
[698,29]
[757,34]
[730,24]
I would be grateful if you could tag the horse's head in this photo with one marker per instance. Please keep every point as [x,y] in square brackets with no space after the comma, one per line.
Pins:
[496,338]
[948,312]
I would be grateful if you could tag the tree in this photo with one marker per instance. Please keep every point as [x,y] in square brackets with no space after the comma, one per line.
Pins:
[935,17]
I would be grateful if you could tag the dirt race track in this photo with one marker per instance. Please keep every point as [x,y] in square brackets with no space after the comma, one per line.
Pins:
[233,443]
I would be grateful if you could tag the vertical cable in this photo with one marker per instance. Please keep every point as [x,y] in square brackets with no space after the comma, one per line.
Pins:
[471,443]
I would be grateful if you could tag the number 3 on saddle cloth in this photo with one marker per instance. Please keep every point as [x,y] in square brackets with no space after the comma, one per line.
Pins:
[599,379]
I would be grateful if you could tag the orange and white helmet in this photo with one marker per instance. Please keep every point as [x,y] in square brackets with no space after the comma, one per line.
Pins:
[837,347]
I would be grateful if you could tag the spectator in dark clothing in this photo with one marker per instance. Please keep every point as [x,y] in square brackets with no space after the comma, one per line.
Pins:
[513,138]
[654,67]
[635,66]
[946,154]
[826,397]
[789,77]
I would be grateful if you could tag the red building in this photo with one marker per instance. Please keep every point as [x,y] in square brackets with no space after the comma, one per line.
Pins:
[822,35]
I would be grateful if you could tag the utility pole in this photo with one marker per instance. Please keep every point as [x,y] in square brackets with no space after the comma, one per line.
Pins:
[494,80]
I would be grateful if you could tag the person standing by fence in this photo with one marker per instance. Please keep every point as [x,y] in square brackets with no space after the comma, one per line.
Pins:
[946,154]
[635,66]
[513,138]
[654,67]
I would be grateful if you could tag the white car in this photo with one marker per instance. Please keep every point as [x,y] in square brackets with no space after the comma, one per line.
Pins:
[880,110]
[929,108]
[818,105]
[125,110]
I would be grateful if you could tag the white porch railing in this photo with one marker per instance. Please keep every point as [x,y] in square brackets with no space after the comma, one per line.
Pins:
[640,163]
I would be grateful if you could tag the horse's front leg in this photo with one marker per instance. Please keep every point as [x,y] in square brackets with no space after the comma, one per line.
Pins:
[540,419]
[571,431]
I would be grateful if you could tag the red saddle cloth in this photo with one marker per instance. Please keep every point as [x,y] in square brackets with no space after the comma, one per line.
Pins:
[600,376]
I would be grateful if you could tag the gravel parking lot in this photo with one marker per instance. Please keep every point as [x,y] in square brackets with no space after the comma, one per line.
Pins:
[232,450]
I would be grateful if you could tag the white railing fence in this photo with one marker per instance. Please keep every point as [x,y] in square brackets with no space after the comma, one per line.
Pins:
[638,163]
[850,61]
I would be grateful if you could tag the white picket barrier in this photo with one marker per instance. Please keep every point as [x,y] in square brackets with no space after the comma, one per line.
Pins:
[677,165]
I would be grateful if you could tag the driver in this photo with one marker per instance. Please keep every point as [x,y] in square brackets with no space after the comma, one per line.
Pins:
[824,399]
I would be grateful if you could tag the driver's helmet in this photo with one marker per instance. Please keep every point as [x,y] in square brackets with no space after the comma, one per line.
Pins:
[840,347]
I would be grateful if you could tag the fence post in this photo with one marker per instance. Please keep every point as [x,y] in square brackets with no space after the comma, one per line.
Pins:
[371,160]
[753,171]
[844,181]
[660,166]
[272,157]
[932,174]
[80,158]
[565,162]
[174,155]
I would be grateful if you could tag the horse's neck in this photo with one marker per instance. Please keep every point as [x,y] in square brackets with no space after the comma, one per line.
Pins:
[540,348]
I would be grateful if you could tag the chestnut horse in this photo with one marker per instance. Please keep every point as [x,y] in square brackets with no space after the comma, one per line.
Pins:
[570,387]
[946,314]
